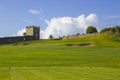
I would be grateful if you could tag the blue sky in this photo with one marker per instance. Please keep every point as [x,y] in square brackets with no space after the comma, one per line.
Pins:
[17,14]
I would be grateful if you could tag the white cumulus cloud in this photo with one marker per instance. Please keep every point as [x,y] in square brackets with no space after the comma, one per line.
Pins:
[63,26]
[20,32]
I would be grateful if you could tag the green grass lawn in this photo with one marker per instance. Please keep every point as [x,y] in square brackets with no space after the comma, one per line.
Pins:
[59,73]
[54,60]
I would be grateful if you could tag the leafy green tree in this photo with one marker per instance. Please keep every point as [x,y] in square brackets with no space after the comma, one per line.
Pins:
[77,34]
[51,37]
[91,29]
[24,34]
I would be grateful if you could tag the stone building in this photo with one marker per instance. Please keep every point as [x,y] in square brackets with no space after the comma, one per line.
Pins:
[32,33]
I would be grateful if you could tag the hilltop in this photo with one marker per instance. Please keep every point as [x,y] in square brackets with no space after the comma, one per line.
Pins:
[60,52]
[74,59]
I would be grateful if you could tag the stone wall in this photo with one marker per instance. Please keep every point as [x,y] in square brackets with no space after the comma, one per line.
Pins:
[32,33]
[79,36]
[6,40]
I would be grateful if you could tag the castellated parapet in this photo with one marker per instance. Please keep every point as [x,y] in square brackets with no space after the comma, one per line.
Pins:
[32,33]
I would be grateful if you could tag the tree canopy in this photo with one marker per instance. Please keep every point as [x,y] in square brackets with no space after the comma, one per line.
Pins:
[51,37]
[91,29]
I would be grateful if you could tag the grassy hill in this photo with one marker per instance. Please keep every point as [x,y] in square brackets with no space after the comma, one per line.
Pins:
[89,58]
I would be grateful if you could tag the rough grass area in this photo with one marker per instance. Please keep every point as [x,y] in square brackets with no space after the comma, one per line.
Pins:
[53,60]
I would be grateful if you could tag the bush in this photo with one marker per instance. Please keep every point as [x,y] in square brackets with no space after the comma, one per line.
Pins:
[115,29]
[108,36]
[91,29]
[51,37]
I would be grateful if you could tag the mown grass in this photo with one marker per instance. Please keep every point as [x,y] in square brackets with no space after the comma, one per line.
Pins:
[54,60]
[59,73]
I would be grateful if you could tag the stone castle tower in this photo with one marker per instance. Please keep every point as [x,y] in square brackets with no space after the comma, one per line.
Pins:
[33,31]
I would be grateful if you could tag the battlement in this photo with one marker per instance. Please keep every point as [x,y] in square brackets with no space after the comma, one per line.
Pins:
[33,26]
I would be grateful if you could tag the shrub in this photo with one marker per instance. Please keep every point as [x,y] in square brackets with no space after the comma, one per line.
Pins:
[115,29]
[91,29]
[51,37]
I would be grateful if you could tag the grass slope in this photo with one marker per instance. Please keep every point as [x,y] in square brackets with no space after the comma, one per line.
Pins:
[53,60]
[59,73]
